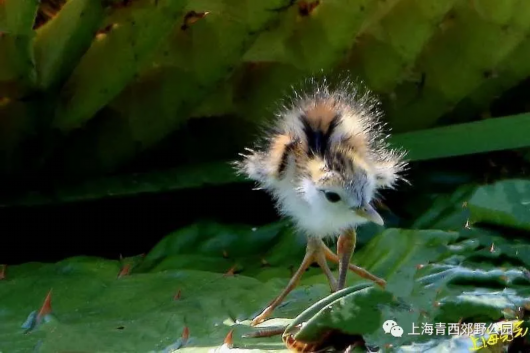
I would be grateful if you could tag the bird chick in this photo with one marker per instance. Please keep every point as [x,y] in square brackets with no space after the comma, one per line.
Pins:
[323,160]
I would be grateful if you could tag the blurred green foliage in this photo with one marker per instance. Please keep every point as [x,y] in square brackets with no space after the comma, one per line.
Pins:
[87,86]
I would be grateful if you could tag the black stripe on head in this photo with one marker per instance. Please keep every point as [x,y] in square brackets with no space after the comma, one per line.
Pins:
[287,151]
[337,161]
[317,140]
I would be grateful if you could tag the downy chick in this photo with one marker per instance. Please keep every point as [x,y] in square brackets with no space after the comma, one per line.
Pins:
[323,160]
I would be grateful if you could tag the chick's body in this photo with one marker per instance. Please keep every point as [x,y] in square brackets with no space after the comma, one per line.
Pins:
[324,158]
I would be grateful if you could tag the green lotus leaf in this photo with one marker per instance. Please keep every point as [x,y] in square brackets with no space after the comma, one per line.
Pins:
[432,278]
[62,41]
[17,64]
[505,203]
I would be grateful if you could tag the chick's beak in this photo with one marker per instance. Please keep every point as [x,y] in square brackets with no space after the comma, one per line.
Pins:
[369,213]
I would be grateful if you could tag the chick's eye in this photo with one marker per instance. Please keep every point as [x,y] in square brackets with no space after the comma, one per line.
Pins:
[332,196]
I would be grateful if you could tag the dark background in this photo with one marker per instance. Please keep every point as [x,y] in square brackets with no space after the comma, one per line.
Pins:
[134,224]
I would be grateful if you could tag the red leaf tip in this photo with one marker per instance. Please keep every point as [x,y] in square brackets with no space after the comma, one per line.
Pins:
[229,340]
[231,271]
[305,8]
[46,306]
[177,296]
[191,17]
[185,334]
[3,272]
[124,270]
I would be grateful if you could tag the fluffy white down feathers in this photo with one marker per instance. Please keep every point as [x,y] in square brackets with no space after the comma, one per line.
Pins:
[324,158]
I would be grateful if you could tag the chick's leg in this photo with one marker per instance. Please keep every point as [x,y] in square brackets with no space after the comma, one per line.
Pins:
[315,252]
[345,249]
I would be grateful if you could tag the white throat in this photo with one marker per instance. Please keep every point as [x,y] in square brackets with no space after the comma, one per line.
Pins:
[308,210]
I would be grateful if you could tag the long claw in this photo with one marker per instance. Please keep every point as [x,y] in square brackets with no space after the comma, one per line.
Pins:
[308,260]
[320,259]
[318,252]
[315,252]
